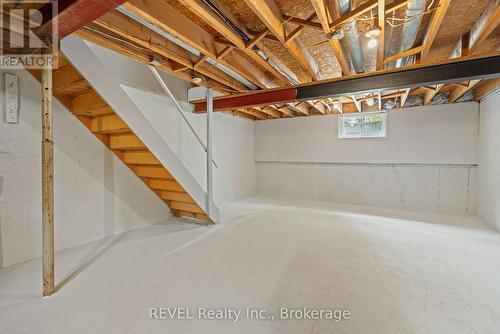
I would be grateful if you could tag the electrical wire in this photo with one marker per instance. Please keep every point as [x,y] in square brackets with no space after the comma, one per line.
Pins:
[409,19]
[402,20]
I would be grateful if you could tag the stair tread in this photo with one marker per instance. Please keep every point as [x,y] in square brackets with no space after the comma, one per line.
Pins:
[83,101]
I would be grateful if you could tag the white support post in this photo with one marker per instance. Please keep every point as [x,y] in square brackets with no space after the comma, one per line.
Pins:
[210,101]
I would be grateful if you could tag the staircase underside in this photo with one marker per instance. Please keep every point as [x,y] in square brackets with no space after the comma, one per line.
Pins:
[78,96]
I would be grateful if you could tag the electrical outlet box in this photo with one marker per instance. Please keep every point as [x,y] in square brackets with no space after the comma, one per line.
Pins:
[11,87]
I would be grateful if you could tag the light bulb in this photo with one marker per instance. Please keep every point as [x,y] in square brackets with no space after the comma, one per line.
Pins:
[196,80]
[372,43]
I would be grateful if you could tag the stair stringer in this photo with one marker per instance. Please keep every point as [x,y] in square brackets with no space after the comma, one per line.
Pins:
[109,88]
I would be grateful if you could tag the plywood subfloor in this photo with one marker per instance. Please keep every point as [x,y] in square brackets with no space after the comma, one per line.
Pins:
[396,272]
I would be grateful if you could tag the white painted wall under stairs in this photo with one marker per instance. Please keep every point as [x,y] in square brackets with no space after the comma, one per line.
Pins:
[150,116]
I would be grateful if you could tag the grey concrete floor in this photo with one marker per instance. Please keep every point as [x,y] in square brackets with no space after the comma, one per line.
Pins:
[396,272]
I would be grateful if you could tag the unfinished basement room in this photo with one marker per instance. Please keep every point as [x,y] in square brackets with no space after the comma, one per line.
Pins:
[250,166]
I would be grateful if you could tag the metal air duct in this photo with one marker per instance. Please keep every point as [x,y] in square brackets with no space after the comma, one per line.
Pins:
[413,14]
[351,41]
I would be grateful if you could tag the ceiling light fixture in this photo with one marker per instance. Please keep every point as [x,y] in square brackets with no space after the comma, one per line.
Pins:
[370,102]
[373,34]
[196,80]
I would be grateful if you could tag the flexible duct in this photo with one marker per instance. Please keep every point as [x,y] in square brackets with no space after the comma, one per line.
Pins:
[351,41]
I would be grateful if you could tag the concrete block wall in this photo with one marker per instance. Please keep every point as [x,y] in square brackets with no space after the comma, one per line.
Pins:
[489,161]
[430,188]
[96,195]
[428,162]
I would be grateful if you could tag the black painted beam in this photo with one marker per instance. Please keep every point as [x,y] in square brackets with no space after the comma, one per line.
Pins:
[417,76]
[482,68]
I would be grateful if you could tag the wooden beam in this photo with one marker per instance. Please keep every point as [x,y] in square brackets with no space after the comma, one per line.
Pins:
[47,185]
[308,22]
[129,29]
[128,50]
[269,111]
[404,97]
[355,13]
[381,37]
[356,103]
[270,15]
[244,115]
[165,17]
[215,21]
[299,29]
[379,99]
[282,74]
[285,110]
[458,92]
[323,15]
[200,61]
[224,52]
[300,107]
[459,84]
[318,106]
[254,112]
[404,54]
[395,5]
[74,14]
[469,42]
[485,88]
[256,39]
[484,26]
[311,24]
[437,19]
[429,94]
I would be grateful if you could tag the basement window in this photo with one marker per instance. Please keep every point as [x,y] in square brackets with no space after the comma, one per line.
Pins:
[363,125]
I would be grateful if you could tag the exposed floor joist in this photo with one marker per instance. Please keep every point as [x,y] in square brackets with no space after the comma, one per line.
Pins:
[437,19]
[323,14]
[270,15]
[416,76]
[131,30]
[142,56]
[170,20]
[206,14]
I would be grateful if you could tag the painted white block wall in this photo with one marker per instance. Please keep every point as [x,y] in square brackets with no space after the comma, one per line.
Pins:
[430,188]
[95,193]
[426,163]
[443,134]
[236,175]
[489,161]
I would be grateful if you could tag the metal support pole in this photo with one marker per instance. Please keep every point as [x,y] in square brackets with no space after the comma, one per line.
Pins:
[47,185]
[210,104]
[178,107]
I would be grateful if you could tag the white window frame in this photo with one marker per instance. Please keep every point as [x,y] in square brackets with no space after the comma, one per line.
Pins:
[343,135]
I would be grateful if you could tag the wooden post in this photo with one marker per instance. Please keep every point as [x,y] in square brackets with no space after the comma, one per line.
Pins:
[47,185]
[210,194]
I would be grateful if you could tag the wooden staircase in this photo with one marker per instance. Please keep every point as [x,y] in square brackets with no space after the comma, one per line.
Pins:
[76,94]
